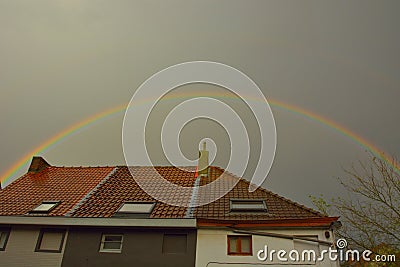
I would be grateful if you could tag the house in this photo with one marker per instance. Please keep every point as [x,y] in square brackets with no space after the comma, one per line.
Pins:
[99,216]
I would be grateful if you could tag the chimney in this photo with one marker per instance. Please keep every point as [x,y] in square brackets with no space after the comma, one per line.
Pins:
[202,167]
[38,164]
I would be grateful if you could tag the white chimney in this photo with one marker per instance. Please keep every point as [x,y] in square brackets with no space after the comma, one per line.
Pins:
[202,167]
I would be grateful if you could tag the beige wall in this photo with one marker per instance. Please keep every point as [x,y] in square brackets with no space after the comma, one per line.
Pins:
[20,250]
[212,248]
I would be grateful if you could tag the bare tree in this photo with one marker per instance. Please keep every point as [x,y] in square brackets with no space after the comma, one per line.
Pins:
[371,212]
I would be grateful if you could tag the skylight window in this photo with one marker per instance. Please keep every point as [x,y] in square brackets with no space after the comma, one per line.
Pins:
[45,206]
[137,207]
[248,205]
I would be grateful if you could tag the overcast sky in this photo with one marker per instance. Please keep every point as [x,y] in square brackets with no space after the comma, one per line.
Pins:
[64,61]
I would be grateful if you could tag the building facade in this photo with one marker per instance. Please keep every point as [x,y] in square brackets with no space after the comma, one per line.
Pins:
[100,216]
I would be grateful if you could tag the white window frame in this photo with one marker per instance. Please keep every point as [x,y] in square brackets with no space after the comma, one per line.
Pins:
[37,210]
[151,204]
[103,237]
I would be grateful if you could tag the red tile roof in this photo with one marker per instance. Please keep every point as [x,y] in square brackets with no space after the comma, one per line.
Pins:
[100,191]
[121,187]
[277,207]
[66,184]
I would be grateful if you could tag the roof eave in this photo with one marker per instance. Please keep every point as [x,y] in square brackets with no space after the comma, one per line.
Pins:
[319,222]
[98,222]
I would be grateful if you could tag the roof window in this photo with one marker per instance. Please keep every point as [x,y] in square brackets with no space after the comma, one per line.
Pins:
[136,207]
[248,205]
[45,207]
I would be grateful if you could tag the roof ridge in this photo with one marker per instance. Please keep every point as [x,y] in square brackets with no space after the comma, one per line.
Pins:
[81,167]
[120,166]
[91,192]
[158,166]
[191,209]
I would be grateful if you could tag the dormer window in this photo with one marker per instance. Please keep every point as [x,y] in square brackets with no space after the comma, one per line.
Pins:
[135,209]
[248,205]
[45,207]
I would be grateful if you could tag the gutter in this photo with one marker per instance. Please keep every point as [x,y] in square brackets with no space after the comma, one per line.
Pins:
[319,222]
[291,237]
[106,222]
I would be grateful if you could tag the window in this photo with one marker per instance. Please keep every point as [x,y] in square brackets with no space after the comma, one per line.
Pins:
[111,243]
[50,240]
[240,245]
[174,243]
[248,205]
[45,207]
[135,209]
[4,234]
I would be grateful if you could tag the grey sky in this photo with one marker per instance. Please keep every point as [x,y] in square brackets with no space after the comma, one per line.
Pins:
[63,61]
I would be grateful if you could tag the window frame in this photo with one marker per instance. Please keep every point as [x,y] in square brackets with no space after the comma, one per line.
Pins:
[102,241]
[239,245]
[7,231]
[54,202]
[135,214]
[250,210]
[175,234]
[50,230]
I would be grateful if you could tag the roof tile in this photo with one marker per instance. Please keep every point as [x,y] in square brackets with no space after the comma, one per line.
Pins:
[110,187]
[66,184]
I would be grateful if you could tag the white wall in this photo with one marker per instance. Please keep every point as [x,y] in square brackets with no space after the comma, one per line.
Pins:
[20,250]
[212,248]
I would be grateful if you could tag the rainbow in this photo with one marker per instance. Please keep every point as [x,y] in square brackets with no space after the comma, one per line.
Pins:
[10,173]
[42,148]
